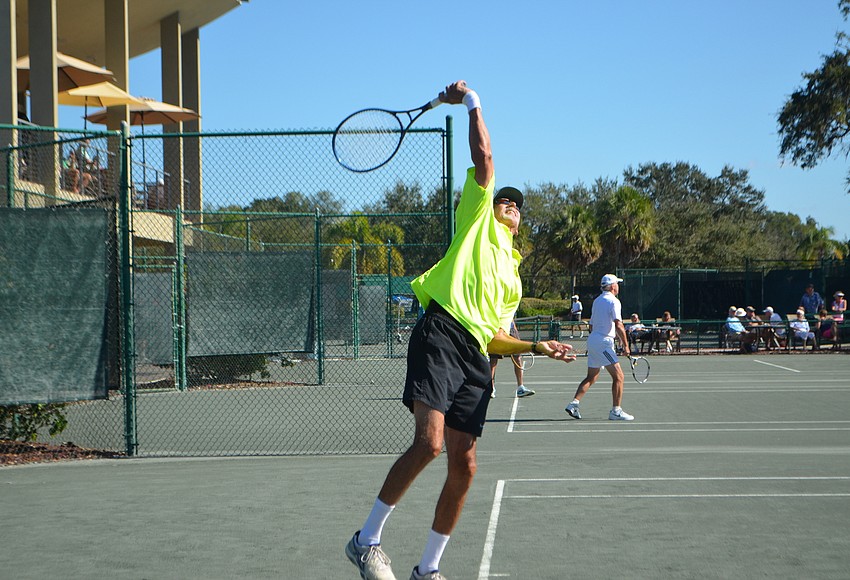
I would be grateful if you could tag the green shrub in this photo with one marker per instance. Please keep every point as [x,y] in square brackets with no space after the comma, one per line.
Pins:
[22,422]
[226,368]
[540,307]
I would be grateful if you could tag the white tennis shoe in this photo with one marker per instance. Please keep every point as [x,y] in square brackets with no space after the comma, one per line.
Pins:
[572,411]
[372,562]
[523,392]
[435,575]
[617,414]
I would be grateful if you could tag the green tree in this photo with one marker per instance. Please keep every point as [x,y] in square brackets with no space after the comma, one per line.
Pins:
[422,219]
[701,221]
[815,120]
[627,220]
[371,243]
[575,240]
[816,243]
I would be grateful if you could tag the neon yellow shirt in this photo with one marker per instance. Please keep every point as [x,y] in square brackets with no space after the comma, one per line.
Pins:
[477,280]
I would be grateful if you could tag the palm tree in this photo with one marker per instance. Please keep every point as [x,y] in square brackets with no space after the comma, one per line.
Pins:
[628,219]
[372,243]
[816,243]
[575,242]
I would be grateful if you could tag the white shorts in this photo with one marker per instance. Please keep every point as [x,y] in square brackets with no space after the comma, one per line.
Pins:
[600,351]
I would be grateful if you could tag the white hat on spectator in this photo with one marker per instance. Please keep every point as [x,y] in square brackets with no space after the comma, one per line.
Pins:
[740,312]
[768,310]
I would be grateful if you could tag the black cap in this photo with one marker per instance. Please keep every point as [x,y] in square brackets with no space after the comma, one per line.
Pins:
[511,193]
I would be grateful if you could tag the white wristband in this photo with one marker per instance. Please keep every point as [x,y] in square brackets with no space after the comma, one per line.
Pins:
[471,101]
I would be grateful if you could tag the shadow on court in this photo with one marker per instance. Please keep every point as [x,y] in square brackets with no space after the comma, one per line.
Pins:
[735,467]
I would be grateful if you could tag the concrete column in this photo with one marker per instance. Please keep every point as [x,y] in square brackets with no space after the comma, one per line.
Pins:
[8,94]
[45,161]
[191,46]
[118,61]
[172,92]
[8,71]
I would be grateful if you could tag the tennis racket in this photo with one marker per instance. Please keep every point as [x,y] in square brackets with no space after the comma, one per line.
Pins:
[368,139]
[523,361]
[640,368]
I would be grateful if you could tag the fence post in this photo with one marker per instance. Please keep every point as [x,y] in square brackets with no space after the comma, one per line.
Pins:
[355,302]
[388,318]
[450,217]
[128,347]
[180,250]
[320,340]
[10,176]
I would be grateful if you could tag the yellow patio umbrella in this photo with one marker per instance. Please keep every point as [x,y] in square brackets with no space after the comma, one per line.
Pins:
[150,112]
[98,95]
[71,72]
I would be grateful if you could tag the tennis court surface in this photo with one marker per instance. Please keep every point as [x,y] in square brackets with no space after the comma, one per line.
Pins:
[735,467]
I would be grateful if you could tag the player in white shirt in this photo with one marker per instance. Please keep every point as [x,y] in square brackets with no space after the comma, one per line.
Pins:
[606,322]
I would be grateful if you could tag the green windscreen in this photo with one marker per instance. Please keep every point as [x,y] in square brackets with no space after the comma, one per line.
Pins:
[53,305]
[244,303]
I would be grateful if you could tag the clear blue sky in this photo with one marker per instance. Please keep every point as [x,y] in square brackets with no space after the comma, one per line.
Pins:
[572,90]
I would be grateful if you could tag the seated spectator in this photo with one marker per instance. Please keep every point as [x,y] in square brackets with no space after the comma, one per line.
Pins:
[76,178]
[827,329]
[637,331]
[88,164]
[735,330]
[670,333]
[839,306]
[801,330]
[775,328]
[754,324]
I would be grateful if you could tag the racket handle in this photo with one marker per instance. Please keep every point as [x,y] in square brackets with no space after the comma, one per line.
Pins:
[435,103]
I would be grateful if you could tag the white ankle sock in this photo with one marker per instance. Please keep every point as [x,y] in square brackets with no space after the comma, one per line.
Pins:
[370,534]
[433,552]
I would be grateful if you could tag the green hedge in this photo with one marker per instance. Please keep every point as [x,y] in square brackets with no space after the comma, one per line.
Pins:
[541,307]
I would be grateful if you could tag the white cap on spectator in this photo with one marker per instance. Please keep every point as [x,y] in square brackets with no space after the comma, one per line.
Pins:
[740,312]
[769,309]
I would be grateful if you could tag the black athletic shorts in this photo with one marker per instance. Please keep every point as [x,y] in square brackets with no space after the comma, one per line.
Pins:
[447,372]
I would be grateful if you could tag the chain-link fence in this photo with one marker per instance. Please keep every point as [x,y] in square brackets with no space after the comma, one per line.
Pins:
[265,290]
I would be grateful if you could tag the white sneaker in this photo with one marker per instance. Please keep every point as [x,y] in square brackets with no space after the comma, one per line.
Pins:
[372,562]
[572,411]
[619,415]
[435,575]
[493,392]
[523,392]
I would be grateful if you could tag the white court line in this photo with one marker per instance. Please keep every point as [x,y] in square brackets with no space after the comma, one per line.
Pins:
[677,496]
[513,415]
[499,496]
[631,479]
[761,362]
[634,430]
[486,557]
[814,422]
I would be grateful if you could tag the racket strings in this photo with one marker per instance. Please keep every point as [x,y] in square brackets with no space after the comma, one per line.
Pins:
[640,369]
[367,139]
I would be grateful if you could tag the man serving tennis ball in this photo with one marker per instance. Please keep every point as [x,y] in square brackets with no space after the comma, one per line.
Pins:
[470,297]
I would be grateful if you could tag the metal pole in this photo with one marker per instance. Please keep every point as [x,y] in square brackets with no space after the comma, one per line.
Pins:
[319,345]
[355,302]
[450,217]
[389,312]
[180,369]
[128,347]
[10,177]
